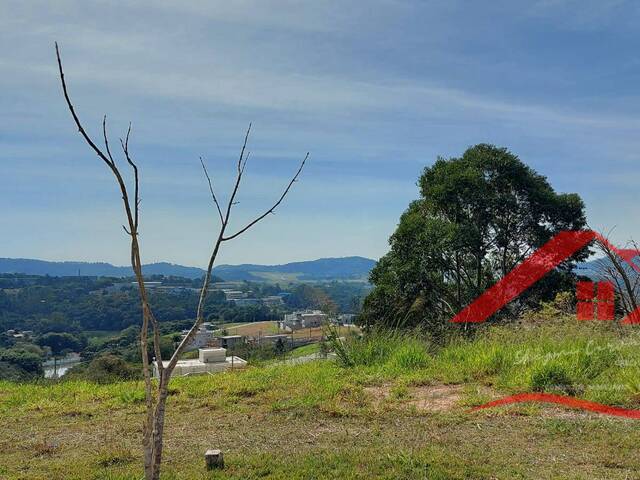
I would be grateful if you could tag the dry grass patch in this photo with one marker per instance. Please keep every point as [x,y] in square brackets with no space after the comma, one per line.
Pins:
[422,398]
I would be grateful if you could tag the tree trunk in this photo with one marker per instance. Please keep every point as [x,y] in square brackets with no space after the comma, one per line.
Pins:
[158,429]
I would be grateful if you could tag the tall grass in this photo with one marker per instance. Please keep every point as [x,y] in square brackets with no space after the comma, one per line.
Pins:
[597,361]
[396,350]
[594,361]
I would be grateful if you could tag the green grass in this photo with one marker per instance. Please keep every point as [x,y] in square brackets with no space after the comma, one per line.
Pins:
[97,337]
[304,350]
[230,325]
[324,420]
[597,361]
[101,333]
[276,277]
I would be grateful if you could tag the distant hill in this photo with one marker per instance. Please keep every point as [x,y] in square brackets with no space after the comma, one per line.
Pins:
[346,268]
[99,269]
[594,269]
[588,269]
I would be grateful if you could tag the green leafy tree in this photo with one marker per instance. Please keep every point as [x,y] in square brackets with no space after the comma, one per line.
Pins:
[308,296]
[478,217]
[60,342]
[279,347]
[19,364]
[103,369]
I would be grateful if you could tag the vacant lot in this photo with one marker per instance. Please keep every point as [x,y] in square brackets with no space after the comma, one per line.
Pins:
[256,329]
[401,410]
[253,329]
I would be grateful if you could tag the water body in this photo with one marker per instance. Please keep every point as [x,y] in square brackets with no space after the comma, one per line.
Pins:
[61,366]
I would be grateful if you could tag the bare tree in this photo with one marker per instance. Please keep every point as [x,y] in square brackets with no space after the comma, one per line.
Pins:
[613,268]
[156,393]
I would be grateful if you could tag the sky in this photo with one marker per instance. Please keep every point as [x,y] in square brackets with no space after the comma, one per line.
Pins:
[375,90]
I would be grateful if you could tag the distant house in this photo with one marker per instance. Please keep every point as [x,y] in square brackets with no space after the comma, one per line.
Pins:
[231,295]
[202,338]
[12,291]
[210,360]
[303,319]
[177,289]
[272,301]
[226,285]
[155,286]
[346,318]
[272,339]
[244,302]
[19,335]
[149,285]
[229,341]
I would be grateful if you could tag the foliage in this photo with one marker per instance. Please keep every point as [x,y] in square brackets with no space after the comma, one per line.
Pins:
[73,305]
[331,297]
[60,342]
[478,216]
[167,347]
[309,296]
[103,369]
[78,304]
[20,364]
[550,377]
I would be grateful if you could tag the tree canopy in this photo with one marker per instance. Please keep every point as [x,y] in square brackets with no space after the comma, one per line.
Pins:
[60,342]
[478,216]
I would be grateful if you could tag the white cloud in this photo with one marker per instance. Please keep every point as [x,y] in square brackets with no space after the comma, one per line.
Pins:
[192,74]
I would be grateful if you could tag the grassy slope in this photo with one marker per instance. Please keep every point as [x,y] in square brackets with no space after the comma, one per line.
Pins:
[304,351]
[253,329]
[319,420]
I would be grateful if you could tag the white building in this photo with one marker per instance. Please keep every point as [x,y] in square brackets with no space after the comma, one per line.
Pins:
[177,289]
[303,319]
[226,285]
[210,360]
[245,302]
[346,318]
[272,301]
[202,338]
[272,339]
[231,295]
[229,341]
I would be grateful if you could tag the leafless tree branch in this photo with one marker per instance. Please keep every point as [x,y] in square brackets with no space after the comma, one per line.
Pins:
[244,146]
[106,140]
[275,205]
[147,316]
[617,273]
[125,149]
[213,195]
[153,426]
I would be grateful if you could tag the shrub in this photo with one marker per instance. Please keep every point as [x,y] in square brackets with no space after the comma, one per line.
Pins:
[372,349]
[551,377]
[18,364]
[398,351]
[103,369]
[410,356]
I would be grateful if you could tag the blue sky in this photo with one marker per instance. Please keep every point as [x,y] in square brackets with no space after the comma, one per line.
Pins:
[375,90]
